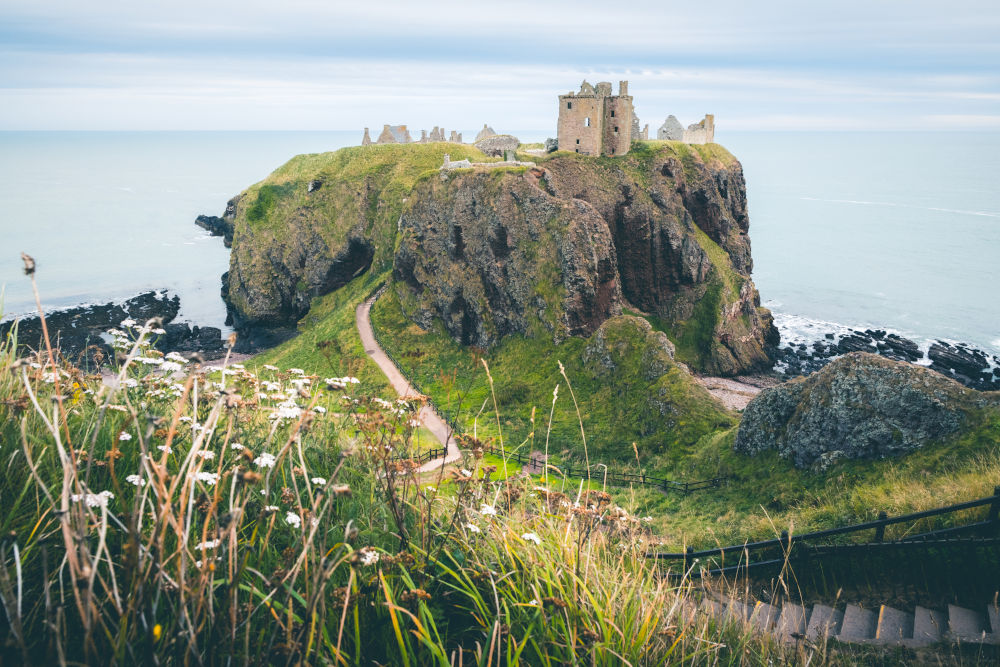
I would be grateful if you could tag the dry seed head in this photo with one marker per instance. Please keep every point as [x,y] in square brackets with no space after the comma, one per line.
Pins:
[29,264]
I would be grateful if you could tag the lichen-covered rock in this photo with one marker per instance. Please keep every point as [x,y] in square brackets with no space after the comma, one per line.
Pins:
[859,406]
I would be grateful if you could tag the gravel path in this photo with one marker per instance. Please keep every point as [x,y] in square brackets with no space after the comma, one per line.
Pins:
[427,416]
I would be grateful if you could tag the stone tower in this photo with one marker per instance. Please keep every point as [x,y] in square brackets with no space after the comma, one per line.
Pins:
[593,121]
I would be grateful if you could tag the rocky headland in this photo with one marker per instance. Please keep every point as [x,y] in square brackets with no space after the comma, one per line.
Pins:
[553,251]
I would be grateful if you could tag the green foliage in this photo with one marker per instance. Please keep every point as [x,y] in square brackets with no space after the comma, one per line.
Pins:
[698,333]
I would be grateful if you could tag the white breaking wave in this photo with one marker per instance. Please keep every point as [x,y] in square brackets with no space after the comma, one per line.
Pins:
[958,211]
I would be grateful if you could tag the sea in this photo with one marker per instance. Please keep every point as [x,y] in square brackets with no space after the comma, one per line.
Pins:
[897,231]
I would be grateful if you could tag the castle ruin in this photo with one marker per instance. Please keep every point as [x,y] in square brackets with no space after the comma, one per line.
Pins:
[702,132]
[593,121]
[398,134]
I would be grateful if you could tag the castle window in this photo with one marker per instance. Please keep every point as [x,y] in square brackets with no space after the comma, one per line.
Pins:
[586,121]
[569,105]
[616,129]
[578,141]
[612,114]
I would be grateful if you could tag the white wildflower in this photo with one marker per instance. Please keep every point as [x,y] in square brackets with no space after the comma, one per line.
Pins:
[270,508]
[238,367]
[269,367]
[149,361]
[158,331]
[320,410]
[318,481]
[265,460]
[296,371]
[93,499]
[124,436]
[268,385]
[488,510]
[209,478]
[235,445]
[185,419]
[211,544]
[466,473]
[531,537]
[164,448]
[206,454]
[174,356]
[293,519]
[131,383]
[472,528]
[171,366]
[367,556]
[128,323]
[135,480]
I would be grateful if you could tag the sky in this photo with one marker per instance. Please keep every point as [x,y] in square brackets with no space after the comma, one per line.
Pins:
[332,65]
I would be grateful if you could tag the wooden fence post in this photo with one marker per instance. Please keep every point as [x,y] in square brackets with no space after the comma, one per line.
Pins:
[995,505]
[880,531]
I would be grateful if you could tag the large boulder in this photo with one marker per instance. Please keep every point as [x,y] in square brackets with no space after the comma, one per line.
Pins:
[859,406]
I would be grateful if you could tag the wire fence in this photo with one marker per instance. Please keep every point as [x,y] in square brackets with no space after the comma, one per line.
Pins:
[775,552]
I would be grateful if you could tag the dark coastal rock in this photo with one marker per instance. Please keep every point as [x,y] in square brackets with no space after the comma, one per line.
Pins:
[968,365]
[859,406]
[78,331]
[855,343]
[217,226]
[223,226]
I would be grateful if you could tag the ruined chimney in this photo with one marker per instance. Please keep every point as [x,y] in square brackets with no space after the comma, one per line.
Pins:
[623,88]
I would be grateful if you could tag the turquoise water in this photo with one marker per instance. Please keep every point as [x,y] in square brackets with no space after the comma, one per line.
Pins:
[899,231]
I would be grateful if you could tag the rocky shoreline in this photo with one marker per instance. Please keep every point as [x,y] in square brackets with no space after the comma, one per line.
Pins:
[966,364]
[81,331]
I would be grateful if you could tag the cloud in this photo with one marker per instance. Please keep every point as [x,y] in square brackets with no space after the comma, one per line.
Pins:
[311,65]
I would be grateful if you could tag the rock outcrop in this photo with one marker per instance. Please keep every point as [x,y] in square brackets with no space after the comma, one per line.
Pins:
[490,254]
[859,406]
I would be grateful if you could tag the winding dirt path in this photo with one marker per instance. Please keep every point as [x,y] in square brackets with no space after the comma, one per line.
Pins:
[437,426]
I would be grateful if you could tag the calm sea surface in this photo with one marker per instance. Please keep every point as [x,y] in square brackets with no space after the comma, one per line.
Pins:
[899,231]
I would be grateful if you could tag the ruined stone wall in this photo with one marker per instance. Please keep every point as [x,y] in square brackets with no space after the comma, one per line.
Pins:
[617,125]
[574,132]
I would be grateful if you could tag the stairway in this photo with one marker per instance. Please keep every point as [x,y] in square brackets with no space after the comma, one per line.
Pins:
[858,624]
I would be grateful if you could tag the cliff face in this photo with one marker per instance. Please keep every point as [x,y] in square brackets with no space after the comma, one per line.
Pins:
[859,406]
[550,251]
[571,243]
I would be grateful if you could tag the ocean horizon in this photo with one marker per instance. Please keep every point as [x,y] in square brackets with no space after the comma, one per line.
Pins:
[898,231]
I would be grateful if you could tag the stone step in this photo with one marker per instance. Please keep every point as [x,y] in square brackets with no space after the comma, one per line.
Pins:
[929,625]
[993,614]
[712,608]
[824,622]
[966,623]
[893,624]
[764,616]
[859,623]
[737,610]
[793,621]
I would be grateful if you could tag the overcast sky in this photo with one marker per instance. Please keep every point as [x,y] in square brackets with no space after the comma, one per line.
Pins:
[311,65]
